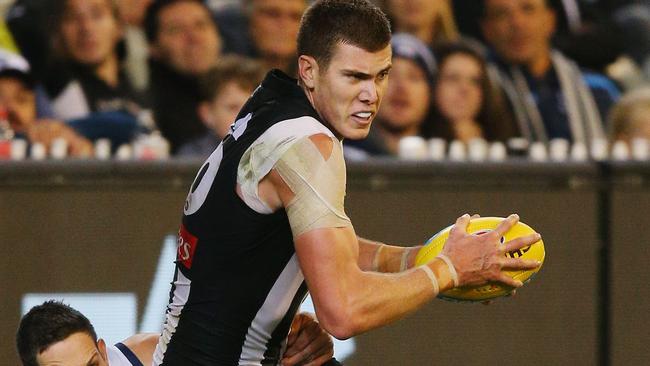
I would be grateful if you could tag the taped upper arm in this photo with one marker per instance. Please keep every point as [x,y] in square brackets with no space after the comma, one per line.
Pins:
[313,170]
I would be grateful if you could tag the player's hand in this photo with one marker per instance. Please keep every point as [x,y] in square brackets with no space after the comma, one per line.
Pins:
[307,344]
[479,259]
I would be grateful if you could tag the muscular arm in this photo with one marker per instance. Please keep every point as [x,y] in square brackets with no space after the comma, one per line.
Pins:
[349,300]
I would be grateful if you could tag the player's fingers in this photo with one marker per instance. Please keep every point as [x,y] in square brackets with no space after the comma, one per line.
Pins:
[505,225]
[322,355]
[475,216]
[521,242]
[308,353]
[319,361]
[515,263]
[460,227]
[507,280]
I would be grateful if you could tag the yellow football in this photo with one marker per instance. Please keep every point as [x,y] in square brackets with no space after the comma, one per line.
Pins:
[479,226]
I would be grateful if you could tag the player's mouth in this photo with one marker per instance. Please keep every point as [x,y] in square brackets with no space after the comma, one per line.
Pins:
[363,117]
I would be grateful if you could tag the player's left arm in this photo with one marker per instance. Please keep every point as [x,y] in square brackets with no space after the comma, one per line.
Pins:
[379,257]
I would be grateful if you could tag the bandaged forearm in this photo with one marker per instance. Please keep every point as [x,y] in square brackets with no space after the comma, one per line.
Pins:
[318,185]
[390,259]
[452,270]
[432,277]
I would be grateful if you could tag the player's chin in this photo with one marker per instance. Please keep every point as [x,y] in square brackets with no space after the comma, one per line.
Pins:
[356,134]
[357,131]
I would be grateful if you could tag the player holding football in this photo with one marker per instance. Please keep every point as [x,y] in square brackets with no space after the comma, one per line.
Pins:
[264,220]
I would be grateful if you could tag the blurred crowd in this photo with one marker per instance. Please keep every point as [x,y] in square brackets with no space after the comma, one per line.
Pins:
[558,79]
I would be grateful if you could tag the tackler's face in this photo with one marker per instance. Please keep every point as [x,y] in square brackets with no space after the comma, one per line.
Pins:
[348,91]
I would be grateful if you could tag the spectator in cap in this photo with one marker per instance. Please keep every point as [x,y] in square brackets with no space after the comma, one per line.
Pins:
[18,106]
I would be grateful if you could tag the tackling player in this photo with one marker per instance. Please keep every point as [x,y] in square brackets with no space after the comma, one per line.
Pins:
[56,334]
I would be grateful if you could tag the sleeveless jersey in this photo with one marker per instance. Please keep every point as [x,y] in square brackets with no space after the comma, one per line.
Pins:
[237,284]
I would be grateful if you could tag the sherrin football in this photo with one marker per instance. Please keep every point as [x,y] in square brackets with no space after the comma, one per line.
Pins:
[479,226]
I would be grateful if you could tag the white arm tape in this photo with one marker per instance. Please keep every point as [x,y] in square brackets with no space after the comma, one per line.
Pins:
[452,270]
[432,277]
[375,260]
[403,266]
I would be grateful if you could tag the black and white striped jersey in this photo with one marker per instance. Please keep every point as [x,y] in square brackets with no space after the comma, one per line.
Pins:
[237,284]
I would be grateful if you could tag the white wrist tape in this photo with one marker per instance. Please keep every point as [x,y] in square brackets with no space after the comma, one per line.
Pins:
[403,266]
[432,277]
[375,260]
[452,271]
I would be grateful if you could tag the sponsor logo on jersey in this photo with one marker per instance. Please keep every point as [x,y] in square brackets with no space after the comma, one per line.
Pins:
[186,246]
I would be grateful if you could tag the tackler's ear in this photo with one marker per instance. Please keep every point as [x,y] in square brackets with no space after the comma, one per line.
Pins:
[101,346]
[308,71]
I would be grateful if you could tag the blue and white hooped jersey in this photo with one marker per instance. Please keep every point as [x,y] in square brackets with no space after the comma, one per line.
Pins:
[121,355]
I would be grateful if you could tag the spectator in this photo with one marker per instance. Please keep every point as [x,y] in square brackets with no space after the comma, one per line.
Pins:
[86,75]
[224,90]
[630,117]
[184,43]
[550,96]
[263,29]
[406,107]
[465,103]
[18,101]
[431,21]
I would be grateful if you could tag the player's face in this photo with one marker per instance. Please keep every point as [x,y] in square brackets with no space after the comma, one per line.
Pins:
[78,349]
[188,39]
[519,30]
[89,30]
[348,92]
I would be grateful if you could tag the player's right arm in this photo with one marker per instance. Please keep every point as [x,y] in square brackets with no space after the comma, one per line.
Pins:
[347,299]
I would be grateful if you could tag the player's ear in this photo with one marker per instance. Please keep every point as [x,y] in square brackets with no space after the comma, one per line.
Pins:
[101,346]
[307,71]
